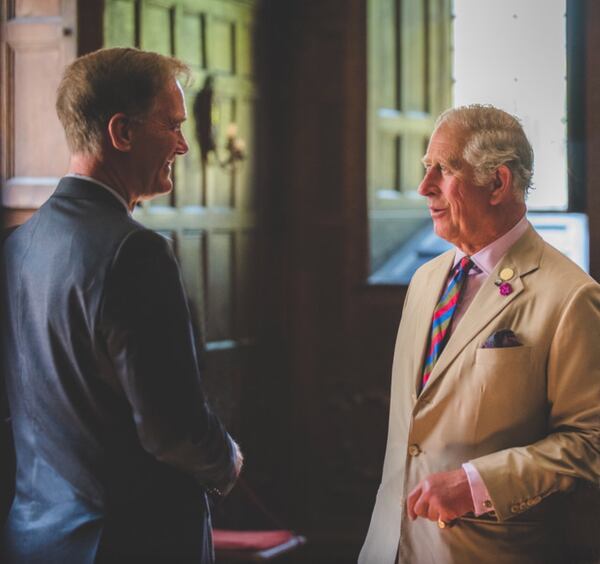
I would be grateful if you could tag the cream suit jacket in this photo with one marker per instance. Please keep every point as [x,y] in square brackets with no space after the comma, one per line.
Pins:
[527,417]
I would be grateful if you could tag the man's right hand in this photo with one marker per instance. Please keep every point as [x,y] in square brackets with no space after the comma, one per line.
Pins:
[238,463]
[445,496]
[239,458]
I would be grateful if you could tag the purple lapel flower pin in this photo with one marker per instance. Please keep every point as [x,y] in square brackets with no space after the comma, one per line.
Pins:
[505,289]
[503,281]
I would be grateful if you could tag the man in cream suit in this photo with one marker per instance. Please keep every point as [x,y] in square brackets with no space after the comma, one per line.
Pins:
[491,442]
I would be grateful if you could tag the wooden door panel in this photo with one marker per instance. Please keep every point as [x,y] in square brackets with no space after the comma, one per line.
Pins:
[192,46]
[220,286]
[245,49]
[189,174]
[157,34]
[193,270]
[246,195]
[222,45]
[120,23]
[246,286]
[35,8]
[38,42]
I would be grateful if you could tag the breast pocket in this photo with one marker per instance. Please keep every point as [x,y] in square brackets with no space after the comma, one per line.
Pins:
[512,391]
[516,357]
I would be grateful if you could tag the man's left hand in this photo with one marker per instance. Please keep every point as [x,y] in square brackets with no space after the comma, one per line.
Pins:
[445,496]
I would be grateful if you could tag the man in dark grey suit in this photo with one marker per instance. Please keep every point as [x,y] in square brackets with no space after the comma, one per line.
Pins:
[116,446]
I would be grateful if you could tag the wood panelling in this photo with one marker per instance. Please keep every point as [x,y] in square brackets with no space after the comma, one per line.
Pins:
[192,47]
[221,273]
[223,45]
[120,23]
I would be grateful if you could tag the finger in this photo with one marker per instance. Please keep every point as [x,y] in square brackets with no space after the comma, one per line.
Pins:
[411,500]
[433,512]
[421,508]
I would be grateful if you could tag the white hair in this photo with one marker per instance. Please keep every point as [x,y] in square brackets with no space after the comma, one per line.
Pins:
[493,138]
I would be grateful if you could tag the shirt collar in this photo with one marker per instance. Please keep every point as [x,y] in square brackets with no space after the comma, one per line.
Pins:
[487,258]
[106,187]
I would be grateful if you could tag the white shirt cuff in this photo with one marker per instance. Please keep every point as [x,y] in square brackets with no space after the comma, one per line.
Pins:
[481,497]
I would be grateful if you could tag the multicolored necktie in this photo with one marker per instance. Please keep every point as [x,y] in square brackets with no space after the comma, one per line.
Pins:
[442,315]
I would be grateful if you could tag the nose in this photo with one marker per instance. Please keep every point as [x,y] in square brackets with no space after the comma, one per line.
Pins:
[428,185]
[182,146]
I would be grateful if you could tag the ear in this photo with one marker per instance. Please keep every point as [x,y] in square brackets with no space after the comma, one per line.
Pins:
[119,132]
[501,185]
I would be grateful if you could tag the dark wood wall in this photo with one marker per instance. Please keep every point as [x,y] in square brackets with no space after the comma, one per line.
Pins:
[338,333]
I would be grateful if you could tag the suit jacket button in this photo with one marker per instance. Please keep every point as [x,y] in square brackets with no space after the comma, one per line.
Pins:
[414,450]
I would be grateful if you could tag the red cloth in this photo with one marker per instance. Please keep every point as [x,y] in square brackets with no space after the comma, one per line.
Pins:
[249,540]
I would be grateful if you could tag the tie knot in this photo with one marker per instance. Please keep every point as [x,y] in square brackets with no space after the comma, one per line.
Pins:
[465,264]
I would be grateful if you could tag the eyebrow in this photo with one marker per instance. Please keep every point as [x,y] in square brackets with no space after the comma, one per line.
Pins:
[452,161]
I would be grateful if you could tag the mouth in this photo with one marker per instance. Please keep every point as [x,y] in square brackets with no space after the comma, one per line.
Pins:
[435,212]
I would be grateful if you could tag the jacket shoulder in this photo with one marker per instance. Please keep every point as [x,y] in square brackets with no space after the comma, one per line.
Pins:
[561,271]
[432,265]
[140,243]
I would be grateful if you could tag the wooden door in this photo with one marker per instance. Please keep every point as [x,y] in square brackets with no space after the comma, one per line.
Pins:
[38,41]
[210,216]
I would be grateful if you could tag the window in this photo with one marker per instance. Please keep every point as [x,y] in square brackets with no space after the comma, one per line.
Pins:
[430,55]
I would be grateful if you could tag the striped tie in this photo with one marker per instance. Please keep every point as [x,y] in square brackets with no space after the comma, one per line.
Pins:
[442,315]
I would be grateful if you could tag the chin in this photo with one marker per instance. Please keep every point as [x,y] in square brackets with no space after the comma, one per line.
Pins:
[156,191]
[444,233]
[162,189]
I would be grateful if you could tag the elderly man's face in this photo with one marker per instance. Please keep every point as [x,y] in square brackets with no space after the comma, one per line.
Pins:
[460,210]
[158,139]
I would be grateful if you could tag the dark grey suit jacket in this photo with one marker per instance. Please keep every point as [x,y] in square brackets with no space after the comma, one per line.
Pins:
[114,440]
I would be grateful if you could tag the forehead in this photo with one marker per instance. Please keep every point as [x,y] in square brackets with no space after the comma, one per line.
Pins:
[170,102]
[446,145]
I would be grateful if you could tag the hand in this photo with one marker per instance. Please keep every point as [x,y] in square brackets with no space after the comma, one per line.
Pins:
[238,463]
[239,459]
[445,496]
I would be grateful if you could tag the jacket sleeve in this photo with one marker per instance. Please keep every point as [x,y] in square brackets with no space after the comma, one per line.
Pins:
[519,478]
[146,326]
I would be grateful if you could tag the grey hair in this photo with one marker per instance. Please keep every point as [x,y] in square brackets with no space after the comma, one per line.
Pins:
[493,138]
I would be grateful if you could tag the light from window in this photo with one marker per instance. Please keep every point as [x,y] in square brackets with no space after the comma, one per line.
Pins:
[512,54]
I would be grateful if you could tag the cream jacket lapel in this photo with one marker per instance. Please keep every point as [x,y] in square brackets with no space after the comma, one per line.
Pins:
[523,258]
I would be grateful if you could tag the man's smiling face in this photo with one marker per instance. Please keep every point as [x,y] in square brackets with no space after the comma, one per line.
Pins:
[158,140]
